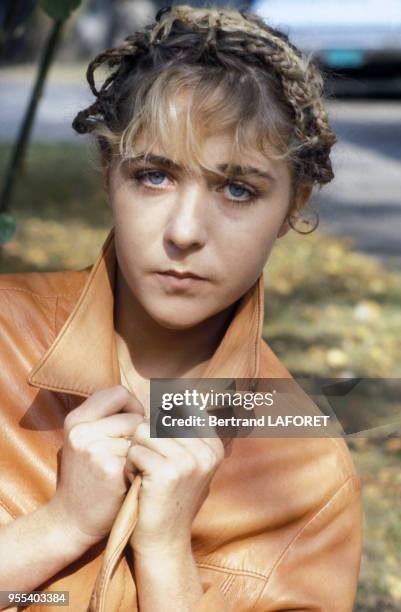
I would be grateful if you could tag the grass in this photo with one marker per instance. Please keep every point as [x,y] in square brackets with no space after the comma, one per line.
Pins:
[329,311]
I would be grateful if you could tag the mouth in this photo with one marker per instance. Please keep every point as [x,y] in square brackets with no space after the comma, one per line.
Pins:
[183,274]
[173,279]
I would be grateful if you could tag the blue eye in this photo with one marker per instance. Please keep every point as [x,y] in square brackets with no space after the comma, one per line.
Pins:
[158,176]
[239,193]
[237,190]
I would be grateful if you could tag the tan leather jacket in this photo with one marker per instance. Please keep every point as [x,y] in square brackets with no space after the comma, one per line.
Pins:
[281,527]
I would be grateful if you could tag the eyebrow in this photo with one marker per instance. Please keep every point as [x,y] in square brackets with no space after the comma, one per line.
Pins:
[230,170]
[244,171]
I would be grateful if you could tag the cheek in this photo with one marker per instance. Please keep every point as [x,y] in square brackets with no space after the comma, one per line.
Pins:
[246,248]
[135,230]
[245,251]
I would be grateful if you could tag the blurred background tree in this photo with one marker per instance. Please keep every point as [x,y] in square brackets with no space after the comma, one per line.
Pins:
[13,17]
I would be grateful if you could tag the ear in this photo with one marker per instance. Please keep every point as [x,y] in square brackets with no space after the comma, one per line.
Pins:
[301,199]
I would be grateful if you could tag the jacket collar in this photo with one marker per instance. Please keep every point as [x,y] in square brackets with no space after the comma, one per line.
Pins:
[83,357]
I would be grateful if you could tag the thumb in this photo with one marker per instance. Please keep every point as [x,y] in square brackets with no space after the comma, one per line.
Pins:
[134,405]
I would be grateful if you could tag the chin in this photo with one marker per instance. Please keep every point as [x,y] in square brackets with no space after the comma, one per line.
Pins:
[175,319]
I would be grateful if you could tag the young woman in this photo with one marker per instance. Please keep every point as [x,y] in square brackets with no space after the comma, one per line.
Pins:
[212,134]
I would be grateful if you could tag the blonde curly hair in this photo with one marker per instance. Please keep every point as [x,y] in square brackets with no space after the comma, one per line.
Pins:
[236,72]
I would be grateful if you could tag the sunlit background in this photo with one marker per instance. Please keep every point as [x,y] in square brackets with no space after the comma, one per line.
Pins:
[333,297]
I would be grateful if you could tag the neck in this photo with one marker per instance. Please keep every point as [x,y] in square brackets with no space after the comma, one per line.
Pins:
[149,350]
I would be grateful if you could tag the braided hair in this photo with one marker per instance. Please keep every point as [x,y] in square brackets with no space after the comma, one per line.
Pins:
[269,83]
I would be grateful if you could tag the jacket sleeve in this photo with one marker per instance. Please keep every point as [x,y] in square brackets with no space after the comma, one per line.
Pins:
[319,568]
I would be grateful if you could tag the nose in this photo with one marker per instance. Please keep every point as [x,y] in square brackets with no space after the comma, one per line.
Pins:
[186,226]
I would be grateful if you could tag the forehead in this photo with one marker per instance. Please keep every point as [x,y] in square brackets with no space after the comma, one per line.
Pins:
[209,153]
[195,125]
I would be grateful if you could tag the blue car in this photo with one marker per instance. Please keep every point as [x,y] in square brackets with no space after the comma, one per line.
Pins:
[344,36]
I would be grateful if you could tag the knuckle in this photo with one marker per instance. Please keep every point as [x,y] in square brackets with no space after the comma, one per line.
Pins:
[218,449]
[121,391]
[77,437]
[110,469]
[141,431]
[208,464]
[133,452]
[172,475]
[211,458]
[188,465]
[94,449]
[71,419]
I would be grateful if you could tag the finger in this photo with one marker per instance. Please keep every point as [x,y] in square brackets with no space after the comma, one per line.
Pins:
[216,444]
[104,403]
[168,448]
[134,405]
[204,451]
[109,455]
[118,447]
[114,426]
[143,459]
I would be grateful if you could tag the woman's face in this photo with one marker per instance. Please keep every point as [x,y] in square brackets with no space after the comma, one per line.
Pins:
[221,230]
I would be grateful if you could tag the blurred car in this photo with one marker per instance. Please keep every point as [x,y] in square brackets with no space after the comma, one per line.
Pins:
[346,37]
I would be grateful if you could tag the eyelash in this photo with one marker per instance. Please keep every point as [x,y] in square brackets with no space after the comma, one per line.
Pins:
[138,176]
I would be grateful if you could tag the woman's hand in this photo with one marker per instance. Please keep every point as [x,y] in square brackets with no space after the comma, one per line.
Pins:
[176,474]
[92,481]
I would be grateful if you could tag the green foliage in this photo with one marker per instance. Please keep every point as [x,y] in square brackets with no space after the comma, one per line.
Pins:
[378,463]
[331,311]
[59,9]
[7,227]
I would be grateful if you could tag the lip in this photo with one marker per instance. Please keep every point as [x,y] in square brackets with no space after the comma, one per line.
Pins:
[174,282]
[184,274]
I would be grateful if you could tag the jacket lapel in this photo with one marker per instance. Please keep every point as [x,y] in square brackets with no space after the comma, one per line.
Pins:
[83,357]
